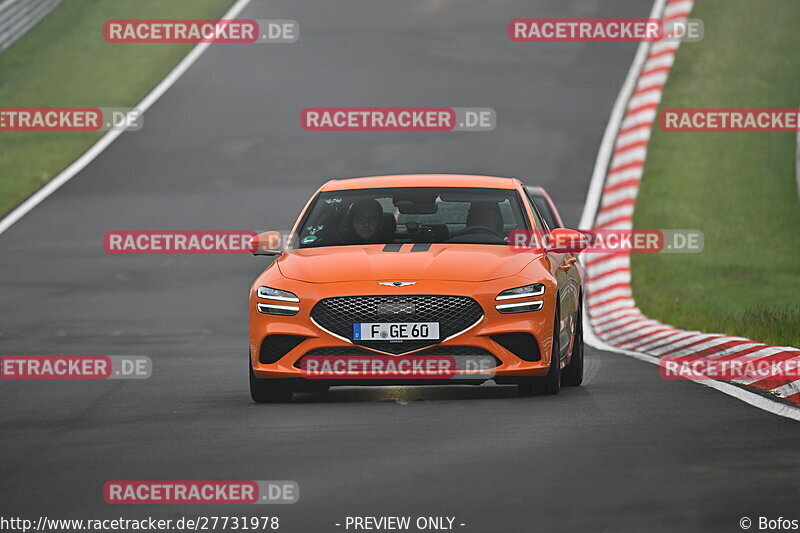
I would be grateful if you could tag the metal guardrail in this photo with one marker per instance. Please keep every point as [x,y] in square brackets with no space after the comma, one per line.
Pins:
[19,16]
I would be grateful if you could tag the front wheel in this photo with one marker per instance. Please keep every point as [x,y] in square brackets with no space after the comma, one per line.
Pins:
[551,382]
[572,375]
[269,390]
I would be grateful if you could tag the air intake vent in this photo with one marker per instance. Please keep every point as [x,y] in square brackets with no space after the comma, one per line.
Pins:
[354,351]
[276,346]
[523,345]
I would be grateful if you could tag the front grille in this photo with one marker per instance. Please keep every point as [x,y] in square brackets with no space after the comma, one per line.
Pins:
[453,313]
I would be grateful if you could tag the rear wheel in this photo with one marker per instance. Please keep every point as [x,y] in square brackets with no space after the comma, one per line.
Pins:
[572,375]
[269,390]
[551,382]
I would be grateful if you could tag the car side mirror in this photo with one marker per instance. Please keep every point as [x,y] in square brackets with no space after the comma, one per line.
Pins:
[267,243]
[565,240]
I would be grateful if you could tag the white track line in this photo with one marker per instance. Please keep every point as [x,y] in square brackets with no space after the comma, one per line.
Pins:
[595,194]
[748,397]
[98,147]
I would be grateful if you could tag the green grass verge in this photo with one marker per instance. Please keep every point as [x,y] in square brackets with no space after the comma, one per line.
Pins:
[64,61]
[738,188]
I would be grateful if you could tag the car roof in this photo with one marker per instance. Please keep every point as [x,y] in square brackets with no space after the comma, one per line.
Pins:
[421,180]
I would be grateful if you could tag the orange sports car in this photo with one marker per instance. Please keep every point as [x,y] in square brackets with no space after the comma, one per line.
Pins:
[413,279]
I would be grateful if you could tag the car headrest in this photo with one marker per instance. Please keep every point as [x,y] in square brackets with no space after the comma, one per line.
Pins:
[388,227]
[476,207]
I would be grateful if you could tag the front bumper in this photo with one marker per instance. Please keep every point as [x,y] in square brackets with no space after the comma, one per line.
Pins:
[492,323]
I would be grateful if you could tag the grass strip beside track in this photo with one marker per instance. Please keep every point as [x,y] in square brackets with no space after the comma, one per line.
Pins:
[63,62]
[740,189]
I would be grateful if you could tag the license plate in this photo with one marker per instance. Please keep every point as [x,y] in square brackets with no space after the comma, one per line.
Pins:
[395,331]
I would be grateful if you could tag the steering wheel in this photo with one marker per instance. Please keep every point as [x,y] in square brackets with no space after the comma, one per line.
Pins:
[482,229]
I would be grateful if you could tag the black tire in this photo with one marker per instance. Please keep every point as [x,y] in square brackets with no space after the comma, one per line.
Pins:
[551,382]
[572,374]
[269,390]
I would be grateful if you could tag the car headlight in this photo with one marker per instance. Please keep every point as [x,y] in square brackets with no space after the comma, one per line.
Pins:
[268,293]
[528,291]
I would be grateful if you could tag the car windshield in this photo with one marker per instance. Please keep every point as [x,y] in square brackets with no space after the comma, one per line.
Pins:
[411,215]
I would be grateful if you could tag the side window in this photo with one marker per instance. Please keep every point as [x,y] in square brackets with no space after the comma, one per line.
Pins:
[547,213]
[540,220]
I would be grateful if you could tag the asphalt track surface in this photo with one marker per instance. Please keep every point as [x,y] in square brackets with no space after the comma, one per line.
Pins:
[223,150]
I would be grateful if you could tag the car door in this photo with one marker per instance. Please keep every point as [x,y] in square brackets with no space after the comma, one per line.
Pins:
[564,268]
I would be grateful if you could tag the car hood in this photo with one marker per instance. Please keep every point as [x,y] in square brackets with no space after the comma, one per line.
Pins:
[453,262]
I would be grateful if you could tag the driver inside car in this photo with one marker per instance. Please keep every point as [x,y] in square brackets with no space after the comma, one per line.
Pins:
[367,218]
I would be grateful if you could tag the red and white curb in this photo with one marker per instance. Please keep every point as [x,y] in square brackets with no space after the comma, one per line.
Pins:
[614,322]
